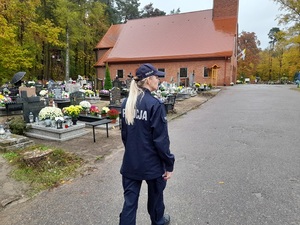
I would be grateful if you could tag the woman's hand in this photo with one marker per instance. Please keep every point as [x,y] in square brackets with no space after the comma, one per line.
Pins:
[167,175]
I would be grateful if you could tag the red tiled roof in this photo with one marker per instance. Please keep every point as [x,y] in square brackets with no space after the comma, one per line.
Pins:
[111,36]
[102,60]
[186,35]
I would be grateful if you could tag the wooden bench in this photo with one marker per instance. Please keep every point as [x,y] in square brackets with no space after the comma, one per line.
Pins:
[97,123]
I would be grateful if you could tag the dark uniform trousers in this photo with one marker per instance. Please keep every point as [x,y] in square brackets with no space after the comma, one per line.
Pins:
[155,203]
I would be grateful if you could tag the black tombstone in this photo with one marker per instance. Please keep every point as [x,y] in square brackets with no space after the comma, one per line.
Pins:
[117,83]
[115,96]
[38,88]
[76,97]
[31,104]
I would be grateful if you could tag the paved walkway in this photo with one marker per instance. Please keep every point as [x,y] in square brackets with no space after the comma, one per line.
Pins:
[13,192]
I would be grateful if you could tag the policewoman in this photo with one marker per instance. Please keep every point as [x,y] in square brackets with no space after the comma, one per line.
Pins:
[147,153]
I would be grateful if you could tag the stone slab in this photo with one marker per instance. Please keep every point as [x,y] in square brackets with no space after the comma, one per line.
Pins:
[93,100]
[50,133]
[14,142]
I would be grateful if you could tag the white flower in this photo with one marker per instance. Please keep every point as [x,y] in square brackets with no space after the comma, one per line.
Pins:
[104,109]
[50,112]
[85,104]
[43,92]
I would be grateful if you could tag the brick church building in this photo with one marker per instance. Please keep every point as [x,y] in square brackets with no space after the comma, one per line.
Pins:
[198,46]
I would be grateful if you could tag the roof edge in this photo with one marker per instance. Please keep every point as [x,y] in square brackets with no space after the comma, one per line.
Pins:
[175,57]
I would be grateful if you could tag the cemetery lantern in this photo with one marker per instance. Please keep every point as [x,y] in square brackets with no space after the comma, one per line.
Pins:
[30,117]
[2,131]
[59,124]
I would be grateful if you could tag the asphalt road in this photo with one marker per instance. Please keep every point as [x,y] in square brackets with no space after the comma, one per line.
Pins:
[237,163]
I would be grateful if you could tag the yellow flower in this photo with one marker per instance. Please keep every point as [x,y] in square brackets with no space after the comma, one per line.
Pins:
[72,110]
[89,92]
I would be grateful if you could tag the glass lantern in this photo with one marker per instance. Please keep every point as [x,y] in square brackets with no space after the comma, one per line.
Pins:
[2,131]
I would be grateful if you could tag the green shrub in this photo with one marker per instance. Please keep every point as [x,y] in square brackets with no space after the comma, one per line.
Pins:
[107,81]
[17,126]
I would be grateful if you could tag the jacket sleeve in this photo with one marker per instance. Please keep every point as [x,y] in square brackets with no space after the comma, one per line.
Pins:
[161,139]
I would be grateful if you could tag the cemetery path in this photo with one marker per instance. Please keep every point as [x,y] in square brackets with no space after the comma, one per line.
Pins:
[92,153]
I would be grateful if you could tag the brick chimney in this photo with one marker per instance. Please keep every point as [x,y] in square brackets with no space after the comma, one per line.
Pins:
[225,9]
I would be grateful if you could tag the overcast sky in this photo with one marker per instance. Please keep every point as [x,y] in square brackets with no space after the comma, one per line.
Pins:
[258,16]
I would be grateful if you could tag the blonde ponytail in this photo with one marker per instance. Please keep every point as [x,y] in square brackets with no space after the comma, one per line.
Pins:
[134,91]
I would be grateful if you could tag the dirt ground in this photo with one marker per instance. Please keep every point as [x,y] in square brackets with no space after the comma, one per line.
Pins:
[91,152]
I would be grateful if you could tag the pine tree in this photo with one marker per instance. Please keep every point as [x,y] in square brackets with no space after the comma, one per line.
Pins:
[107,81]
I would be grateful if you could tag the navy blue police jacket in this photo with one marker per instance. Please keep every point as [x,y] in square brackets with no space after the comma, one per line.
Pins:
[147,145]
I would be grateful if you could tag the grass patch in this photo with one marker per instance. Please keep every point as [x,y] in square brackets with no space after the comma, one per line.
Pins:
[10,156]
[49,171]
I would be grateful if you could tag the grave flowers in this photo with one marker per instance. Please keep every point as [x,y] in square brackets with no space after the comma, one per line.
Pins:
[113,114]
[85,106]
[30,83]
[104,94]
[89,93]
[43,93]
[104,111]
[49,113]
[72,111]
[4,100]
[94,110]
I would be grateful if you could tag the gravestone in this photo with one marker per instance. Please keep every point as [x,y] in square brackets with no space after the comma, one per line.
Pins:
[60,102]
[117,83]
[76,97]
[72,87]
[31,91]
[170,103]
[82,82]
[57,93]
[38,88]
[115,96]
[31,104]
